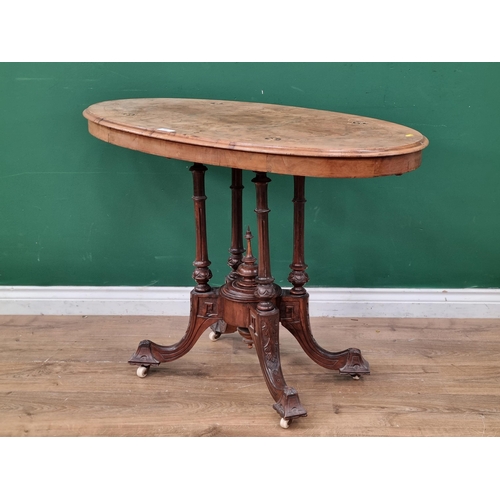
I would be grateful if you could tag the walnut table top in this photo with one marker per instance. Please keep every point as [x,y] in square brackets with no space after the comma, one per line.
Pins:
[259,137]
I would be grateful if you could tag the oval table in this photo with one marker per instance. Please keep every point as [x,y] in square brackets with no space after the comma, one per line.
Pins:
[267,139]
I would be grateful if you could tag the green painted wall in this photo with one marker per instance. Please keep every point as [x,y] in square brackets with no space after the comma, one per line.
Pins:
[77,211]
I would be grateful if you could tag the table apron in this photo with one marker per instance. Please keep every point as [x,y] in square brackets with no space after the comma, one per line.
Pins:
[327,167]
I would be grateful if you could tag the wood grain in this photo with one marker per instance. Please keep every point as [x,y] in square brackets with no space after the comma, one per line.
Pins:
[69,376]
[260,137]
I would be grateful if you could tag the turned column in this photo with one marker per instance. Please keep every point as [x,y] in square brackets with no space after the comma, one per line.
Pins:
[298,277]
[236,249]
[202,273]
[265,290]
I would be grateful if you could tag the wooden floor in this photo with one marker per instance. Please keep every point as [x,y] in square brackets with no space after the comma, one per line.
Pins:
[69,376]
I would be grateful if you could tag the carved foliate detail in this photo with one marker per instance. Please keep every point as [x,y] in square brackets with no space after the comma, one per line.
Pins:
[268,329]
[298,278]
[264,327]
[202,276]
[265,292]
[233,262]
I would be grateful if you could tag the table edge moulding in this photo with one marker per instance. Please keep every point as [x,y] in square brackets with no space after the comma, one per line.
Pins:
[267,139]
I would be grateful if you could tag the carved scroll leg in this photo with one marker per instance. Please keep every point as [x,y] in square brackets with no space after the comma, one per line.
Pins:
[294,317]
[204,298]
[204,312]
[264,331]
[294,313]
[264,319]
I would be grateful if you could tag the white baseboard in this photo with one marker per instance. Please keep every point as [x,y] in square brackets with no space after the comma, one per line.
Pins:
[174,301]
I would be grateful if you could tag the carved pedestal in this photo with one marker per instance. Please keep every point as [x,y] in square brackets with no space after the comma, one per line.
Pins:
[250,302]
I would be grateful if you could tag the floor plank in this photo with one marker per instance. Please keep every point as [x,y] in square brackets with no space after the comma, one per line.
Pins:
[69,376]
